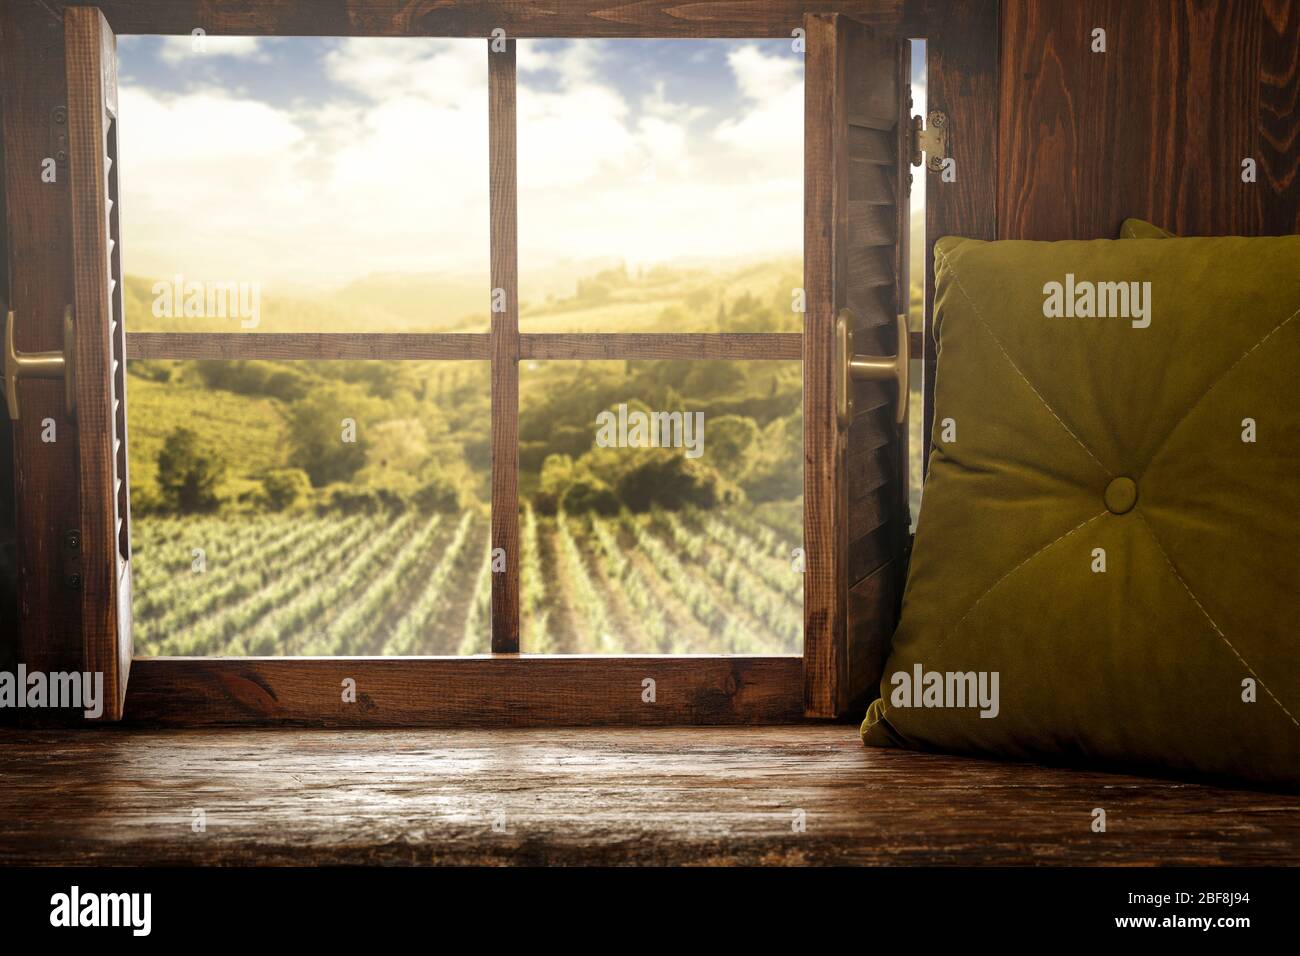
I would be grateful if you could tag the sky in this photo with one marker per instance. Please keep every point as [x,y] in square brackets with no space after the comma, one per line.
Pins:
[314,161]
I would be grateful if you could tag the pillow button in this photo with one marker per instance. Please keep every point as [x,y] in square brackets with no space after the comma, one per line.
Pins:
[1121,495]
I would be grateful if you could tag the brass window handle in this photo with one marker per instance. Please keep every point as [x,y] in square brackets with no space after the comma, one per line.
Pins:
[869,368]
[20,365]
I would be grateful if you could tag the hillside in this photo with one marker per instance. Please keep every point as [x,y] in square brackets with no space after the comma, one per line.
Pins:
[320,544]
[251,430]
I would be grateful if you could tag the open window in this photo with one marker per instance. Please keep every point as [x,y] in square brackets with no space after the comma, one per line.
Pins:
[596,606]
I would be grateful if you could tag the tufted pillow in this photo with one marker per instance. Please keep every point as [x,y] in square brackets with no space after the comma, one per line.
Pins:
[1141,229]
[1107,559]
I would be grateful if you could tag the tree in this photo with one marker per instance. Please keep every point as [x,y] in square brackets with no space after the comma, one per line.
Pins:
[285,487]
[732,443]
[188,473]
[666,478]
[323,446]
[588,494]
[557,476]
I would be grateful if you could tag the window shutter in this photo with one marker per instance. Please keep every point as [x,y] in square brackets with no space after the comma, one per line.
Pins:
[99,358]
[856,155]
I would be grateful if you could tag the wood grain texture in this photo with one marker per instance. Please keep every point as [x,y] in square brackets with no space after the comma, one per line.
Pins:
[962,50]
[823,473]
[309,346]
[1156,127]
[484,691]
[91,61]
[8,504]
[1277,146]
[855,499]
[503,199]
[876,471]
[451,346]
[870,630]
[665,796]
[685,346]
[38,237]
[477,18]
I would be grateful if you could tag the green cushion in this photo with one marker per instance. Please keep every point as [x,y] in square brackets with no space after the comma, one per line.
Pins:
[1141,229]
[1054,437]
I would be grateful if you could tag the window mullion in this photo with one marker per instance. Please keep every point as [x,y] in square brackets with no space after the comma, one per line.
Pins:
[504,346]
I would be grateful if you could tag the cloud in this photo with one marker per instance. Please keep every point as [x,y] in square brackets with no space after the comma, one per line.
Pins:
[762,76]
[179,49]
[599,179]
[446,73]
[235,188]
[393,175]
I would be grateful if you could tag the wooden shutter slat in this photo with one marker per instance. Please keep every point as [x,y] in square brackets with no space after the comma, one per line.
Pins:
[872,146]
[870,183]
[873,225]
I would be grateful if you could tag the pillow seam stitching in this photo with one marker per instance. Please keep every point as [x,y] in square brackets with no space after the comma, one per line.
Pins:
[1213,624]
[992,587]
[1016,368]
[1212,386]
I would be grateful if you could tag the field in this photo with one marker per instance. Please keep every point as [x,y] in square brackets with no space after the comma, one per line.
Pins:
[311,543]
[690,581]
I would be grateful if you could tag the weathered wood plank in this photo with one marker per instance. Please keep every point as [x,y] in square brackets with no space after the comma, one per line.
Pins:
[506,691]
[825,208]
[667,796]
[477,18]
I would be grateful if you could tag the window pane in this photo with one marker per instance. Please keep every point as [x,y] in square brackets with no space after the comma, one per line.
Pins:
[304,184]
[687,547]
[660,185]
[309,508]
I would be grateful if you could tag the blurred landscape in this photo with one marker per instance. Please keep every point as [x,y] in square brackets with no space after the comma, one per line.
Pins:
[342,507]
[311,544]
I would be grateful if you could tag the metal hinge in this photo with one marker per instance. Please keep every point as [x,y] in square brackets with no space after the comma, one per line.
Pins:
[932,141]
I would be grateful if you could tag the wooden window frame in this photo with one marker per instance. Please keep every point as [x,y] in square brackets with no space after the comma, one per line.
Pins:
[507,687]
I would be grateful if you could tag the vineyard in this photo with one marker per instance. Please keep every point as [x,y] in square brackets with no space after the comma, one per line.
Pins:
[666,582]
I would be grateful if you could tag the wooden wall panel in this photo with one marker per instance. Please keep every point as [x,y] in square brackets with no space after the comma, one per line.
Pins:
[1157,126]
[1278,145]
[962,57]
